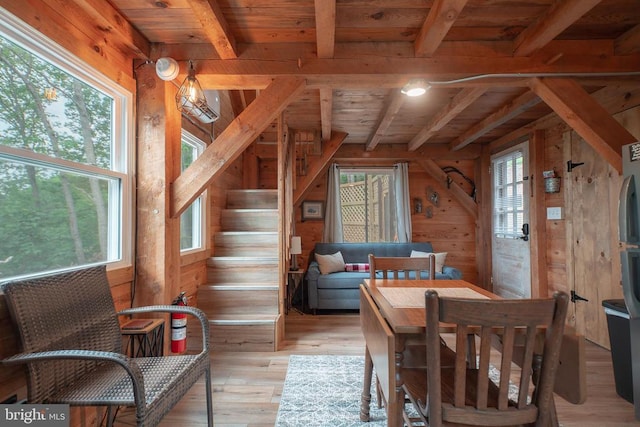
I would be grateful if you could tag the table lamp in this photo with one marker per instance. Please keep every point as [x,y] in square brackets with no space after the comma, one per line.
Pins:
[296,249]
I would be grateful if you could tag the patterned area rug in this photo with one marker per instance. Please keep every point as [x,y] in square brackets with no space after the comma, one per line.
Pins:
[324,391]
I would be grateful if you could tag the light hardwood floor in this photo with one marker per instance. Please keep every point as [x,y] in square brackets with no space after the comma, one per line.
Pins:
[247,386]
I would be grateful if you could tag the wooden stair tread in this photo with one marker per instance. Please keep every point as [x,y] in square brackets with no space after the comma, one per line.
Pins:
[240,287]
[246,233]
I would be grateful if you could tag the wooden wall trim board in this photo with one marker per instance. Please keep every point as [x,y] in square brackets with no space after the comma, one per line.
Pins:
[284,222]
[484,233]
[537,217]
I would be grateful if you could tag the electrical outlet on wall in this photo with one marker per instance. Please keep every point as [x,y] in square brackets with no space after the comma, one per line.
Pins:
[554,213]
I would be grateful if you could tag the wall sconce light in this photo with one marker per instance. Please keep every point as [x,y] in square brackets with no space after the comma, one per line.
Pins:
[415,87]
[167,68]
[296,249]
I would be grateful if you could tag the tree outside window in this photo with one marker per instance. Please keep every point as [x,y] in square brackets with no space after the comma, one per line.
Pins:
[63,162]
[191,220]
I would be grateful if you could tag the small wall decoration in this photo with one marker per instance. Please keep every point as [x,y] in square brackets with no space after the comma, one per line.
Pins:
[551,181]
[312,210]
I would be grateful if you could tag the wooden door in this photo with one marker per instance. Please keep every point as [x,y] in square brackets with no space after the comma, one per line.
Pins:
[511,256]
[592,208]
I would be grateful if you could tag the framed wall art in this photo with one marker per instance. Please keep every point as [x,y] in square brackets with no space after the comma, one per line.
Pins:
[312,210]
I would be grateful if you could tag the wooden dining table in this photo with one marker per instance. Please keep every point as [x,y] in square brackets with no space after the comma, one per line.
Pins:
[392,317]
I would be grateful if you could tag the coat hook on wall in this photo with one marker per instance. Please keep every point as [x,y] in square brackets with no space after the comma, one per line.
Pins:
[571,165]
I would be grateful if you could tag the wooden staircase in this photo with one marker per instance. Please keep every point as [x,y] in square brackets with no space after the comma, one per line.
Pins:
[242,291]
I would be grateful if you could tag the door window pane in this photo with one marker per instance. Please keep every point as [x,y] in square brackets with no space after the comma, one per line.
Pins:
[508,198]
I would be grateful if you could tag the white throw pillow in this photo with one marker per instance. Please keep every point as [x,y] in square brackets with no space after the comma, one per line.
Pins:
[330,263]
[441,257]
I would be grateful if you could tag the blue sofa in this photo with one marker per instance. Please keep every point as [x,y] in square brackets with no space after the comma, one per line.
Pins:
[340,290]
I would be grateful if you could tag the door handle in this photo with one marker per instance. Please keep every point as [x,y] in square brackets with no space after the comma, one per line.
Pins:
[525,232]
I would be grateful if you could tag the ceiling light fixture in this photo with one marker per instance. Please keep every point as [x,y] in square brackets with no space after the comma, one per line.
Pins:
[191,99]
[415,87]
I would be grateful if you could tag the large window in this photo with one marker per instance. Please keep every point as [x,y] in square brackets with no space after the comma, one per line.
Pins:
[367,199]
[508,198]
[191,221]
[65,180]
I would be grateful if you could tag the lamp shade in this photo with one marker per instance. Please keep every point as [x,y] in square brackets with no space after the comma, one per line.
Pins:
[296,245]
[167,68]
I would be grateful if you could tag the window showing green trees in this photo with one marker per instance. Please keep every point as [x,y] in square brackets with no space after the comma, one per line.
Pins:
[62,163]
[191,221]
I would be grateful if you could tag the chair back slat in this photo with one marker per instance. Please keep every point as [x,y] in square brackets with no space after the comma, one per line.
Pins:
[508,336]
[407,268]
[472,394]
[483,368]
[73,309]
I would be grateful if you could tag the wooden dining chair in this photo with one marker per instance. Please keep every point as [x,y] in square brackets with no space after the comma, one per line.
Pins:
[408,268]
[463,395]
[404,268]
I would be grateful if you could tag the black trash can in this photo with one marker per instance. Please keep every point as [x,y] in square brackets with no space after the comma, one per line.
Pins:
[619,337]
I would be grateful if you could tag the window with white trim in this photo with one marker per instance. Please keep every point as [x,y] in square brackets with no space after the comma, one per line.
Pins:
[192,219]
[65,159]
[367,199]
[508,197]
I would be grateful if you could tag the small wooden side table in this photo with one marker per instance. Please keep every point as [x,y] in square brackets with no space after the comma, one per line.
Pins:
[145,337]
[295,280]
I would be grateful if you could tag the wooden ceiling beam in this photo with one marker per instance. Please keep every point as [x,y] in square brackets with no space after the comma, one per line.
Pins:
[109,20]
[382,72]
[325,27]
[442,179]
[237,102]
[389,114]
[505,113]
[326,112]
[629,42]
[399,152]
[558,18]
[611,99]
[319,166]
[230,144]
[215,26]
[462,100]
[442,15]
[588,118]
[357,154]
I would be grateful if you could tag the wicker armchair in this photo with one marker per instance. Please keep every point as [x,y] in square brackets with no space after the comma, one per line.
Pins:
[72,346]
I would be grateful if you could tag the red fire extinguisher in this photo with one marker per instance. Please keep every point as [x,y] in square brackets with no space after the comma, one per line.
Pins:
[179,326]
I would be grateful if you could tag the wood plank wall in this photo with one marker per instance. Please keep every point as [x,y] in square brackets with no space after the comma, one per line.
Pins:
[451,229]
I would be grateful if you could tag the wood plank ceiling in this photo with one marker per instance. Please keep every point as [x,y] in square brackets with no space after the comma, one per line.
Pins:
[479,56]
